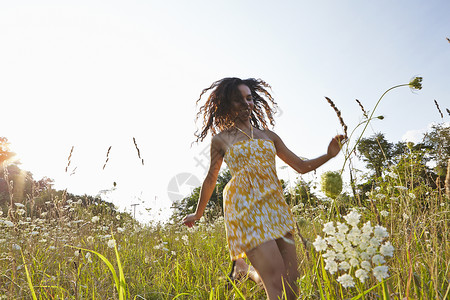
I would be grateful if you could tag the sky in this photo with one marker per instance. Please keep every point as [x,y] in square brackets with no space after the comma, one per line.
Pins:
[96,74]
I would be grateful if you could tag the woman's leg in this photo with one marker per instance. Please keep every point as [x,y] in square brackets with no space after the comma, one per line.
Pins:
[289,254]
[242,269]
[269,263]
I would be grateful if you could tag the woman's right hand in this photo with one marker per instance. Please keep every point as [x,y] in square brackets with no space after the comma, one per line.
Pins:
[190,219]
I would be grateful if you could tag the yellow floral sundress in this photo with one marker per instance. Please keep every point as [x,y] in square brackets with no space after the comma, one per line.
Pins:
[254,207]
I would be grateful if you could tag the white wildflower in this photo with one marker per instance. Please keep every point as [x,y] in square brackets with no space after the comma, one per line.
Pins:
[340,236]
[21,212]
[1,212]
[120,229]
[361,274]
[380,272]
[342,228]
[95,219]
[329,254]
[344,266]
[76,253]
[111,243]
[371,250]
[331,265]
[173,253]
[412,196]
[405,216]
[392,174]
[340,256]
[118,217]
[185,238]
[401,187]
[380,196]
[320,244]
[366,265]
[88,257]
[380,232]
[354,262]
[384,213]
[8,223]
[364,255]
[387,249]
[353,218]
[328,228]
[367,228]
[378,260]
[79,201]
[346,281]
[16,247]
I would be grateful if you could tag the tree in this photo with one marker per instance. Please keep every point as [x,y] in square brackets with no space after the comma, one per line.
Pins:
[5,153]
[377,152]
[437,142]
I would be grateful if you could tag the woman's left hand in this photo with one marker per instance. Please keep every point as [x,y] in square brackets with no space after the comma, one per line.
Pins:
[336,144]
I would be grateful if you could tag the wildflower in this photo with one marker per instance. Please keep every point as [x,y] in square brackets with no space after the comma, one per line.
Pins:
[111,243]
[416,83]
[120,229]
[387,249]
[88,257]
[353,218]
[366,265]
[79,201]
[157,247]
[331,265]
[346,281]
[361,274]
[52,248]
[378,260]
[392,174]
[380,196]
[90,239]
[21,211]
[8,223]
[384,213]
[20,205]
[344,266]
[380,232]
[76,253]
[16,247]
[1,212]
[354,262]
[185,238]
[367,228]
[329,254]
[95,219]
[401,187]
[328,228]
[173,253]
[380,272]
[44,214]
[320,244]
[412,196]
[342,228]
[405,216]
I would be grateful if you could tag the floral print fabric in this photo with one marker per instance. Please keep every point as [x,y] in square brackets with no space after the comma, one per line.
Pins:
[254,207]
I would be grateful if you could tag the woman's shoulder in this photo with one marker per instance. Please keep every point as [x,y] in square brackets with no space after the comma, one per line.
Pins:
[270,134]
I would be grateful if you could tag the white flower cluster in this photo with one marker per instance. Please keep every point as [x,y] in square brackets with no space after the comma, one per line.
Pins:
[352,248]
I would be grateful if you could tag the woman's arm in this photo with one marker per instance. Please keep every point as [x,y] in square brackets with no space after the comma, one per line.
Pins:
[305,166]
[209,183]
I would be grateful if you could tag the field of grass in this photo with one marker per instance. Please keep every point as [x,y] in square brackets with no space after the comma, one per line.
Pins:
[58,255]
[76,251]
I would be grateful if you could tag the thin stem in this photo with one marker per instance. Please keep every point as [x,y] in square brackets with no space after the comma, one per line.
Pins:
[368,121]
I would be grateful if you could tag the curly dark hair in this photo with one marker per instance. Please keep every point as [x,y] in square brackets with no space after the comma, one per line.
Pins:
[217,112]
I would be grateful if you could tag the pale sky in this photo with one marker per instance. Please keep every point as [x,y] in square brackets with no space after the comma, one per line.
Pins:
[93,74]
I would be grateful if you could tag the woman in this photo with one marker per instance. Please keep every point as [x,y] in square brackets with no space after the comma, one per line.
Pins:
[259,223]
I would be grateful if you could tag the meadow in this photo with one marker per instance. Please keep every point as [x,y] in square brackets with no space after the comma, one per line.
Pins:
[76,250]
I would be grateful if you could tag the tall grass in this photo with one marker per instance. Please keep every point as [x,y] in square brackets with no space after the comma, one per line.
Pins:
[89,252]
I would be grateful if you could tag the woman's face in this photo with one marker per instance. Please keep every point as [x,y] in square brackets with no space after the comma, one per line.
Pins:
[244,108]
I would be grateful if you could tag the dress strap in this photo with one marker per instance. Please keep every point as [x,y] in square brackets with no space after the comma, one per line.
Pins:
[251,132]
